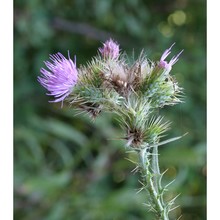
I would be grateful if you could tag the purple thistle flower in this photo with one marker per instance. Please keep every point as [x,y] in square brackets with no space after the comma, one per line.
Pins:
[164,64]
[61,77]
[110,49]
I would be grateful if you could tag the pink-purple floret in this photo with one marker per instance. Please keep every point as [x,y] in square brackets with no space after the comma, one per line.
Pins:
[60,78]
[164,64]
[110,49]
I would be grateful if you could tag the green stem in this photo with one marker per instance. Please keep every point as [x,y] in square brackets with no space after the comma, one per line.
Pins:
[151,185]
[156,168]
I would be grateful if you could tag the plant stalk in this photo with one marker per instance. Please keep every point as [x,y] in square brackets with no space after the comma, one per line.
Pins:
[151,182]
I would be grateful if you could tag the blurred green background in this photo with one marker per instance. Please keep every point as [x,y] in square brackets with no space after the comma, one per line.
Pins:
[69,167]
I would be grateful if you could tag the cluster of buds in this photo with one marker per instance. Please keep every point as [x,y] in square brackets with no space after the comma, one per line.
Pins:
[110,83]
[131,90]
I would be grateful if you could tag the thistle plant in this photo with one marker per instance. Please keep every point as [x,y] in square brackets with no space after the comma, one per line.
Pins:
[131,90]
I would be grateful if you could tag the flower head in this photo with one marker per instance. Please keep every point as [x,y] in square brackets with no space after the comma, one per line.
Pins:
[60,78]
[164,64]
[110,49]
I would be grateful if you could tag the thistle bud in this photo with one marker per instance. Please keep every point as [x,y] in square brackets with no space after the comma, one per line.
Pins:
[164,64]
[60,78]
[110,50]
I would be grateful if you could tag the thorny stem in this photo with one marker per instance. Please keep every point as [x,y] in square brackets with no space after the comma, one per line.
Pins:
[152,186]
[156,168]
[110,83]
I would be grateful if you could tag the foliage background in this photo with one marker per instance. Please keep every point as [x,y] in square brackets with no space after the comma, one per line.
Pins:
[68,167]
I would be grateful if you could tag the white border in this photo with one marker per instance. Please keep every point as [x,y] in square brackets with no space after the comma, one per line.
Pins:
[213,110]
[6,111]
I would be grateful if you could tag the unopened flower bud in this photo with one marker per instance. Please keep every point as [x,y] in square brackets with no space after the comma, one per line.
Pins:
[110,50]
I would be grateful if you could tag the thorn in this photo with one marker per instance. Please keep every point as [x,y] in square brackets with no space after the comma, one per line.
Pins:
[145,204]
[164,172]
[168,141]
[174,208]
[130,151]
[175,198]
[153,154]
[140,190]
[150,207]
[171,202]
[169,183]
[179,217]
[135,170]
[161,176]
[141,183]
[130,160]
